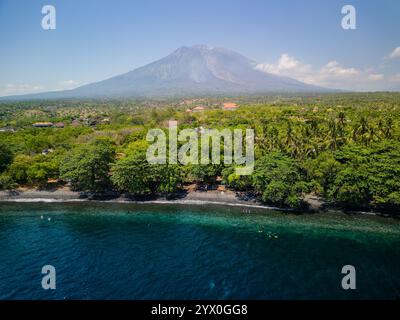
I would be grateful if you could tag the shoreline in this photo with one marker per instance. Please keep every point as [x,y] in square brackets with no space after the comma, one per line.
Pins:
[193,197]
[124,201]
[225,198]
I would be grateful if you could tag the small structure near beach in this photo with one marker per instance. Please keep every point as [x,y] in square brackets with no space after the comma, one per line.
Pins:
[199,108]
[42,124]
[230,106]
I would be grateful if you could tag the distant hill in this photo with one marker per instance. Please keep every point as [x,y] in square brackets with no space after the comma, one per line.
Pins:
[195,70]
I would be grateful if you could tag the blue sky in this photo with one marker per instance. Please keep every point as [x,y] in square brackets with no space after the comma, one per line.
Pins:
[95,40]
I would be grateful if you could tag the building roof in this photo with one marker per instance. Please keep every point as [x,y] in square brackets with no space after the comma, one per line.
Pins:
[230,105]
[199,108]
[43,124]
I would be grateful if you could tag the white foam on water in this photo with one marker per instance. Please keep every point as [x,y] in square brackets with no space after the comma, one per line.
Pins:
[42,200]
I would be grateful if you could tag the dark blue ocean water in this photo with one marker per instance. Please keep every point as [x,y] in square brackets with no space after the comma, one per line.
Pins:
[127,251]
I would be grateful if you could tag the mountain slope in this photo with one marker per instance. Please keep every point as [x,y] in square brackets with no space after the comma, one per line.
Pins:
[196,70]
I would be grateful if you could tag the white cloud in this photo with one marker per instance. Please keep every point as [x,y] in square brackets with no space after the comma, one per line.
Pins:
[66,85]
[70,83]
[395,53]
[330,75]
[13,88]
[23,88]
[286,65]
[334,69]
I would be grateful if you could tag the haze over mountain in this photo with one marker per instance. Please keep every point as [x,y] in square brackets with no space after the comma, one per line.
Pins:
[195,70]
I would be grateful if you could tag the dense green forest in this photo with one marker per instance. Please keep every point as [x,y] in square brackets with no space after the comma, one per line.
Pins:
[344,148]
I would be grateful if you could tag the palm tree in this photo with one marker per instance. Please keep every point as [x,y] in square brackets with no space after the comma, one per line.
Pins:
[360,129]
[332,135]
[371,136]
[341,126]
[389,128]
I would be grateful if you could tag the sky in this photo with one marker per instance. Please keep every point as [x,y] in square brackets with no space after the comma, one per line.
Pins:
[98,39]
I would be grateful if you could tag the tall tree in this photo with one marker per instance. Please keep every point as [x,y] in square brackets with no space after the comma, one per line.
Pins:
[87,167]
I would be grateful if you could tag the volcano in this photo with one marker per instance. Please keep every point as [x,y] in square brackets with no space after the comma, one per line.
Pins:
[188,71]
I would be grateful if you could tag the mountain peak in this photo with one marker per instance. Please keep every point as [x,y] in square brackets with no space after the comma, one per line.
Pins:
[197,46]
[194,48]
[205,47]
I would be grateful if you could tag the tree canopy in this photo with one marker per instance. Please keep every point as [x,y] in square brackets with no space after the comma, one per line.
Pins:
[344,148]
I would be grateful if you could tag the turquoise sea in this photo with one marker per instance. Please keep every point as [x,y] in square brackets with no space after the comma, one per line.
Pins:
[149,251]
